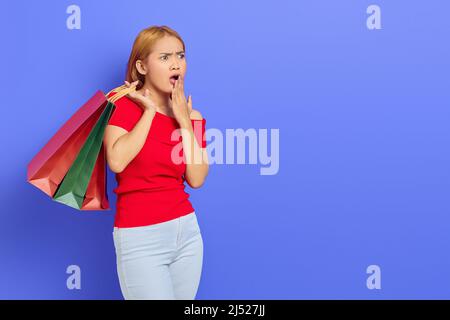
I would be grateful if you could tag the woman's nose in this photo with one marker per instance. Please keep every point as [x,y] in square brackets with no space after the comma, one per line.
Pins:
[175,64]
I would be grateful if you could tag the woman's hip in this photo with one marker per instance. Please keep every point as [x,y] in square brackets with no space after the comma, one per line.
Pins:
[160,240]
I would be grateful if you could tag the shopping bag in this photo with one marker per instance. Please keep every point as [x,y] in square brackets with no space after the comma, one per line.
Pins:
[47,169]
[73,188]
[76,152]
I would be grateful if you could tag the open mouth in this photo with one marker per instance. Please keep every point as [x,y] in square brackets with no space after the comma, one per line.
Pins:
[173,79]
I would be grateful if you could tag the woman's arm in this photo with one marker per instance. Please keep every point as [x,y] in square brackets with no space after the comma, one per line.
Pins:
[123,146]
[197,164]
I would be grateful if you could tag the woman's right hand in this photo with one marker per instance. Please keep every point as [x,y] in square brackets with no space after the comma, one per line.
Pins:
[142,99]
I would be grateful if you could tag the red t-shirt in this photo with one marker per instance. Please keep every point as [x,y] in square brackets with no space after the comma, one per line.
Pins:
[151,188]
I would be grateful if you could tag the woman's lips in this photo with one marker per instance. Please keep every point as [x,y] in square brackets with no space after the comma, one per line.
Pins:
[173,80]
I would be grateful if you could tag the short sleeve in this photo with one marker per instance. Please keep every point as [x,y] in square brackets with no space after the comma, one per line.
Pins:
[199,127]
[125,114]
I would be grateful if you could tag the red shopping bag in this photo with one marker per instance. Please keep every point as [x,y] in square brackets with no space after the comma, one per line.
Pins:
[48,168]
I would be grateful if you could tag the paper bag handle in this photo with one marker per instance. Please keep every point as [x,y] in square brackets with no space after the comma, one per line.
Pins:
[122,90]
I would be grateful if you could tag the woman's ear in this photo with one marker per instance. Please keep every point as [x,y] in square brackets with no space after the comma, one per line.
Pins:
[141,67]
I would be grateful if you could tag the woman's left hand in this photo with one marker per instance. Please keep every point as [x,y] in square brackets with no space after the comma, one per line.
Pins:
[181,107]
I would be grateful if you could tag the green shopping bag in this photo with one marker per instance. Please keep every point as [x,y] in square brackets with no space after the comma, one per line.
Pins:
[73,188]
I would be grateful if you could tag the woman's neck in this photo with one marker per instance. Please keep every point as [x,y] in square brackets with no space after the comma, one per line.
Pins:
[161,99]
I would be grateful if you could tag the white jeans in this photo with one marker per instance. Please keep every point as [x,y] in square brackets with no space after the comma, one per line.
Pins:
[160,261]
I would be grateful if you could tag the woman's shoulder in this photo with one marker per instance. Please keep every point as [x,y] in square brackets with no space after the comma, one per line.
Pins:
[126,102]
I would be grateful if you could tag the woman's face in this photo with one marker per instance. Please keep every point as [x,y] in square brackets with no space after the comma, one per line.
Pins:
[166,59]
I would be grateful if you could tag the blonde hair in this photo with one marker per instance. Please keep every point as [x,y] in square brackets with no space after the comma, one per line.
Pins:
[142,47]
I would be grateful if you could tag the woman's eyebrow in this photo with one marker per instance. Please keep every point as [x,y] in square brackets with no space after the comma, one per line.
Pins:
[168,53]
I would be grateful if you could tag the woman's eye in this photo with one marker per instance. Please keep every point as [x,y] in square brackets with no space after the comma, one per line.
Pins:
[181,55]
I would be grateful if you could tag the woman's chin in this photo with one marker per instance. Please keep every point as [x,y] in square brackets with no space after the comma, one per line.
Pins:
[167,89]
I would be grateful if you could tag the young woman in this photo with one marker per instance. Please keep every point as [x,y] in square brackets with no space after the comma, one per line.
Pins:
[157,239]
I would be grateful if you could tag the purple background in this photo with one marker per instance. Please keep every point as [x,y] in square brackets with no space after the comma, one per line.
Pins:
[364,133]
